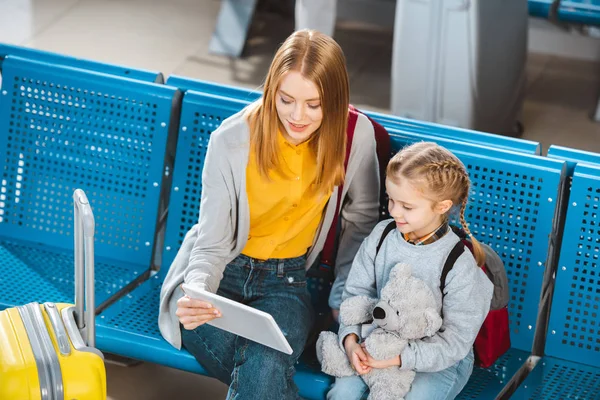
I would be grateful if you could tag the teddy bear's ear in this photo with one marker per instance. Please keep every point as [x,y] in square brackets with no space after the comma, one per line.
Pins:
[433,320]
[401,270]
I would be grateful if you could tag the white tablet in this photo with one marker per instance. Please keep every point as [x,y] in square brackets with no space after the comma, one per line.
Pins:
[243,320]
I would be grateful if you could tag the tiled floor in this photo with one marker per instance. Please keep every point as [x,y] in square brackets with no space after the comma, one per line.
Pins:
[153,382]
[172,36]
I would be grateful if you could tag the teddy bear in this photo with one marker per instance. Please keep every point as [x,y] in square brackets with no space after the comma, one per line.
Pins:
[406,311]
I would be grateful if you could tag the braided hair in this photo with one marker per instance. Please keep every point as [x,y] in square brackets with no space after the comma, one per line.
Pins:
[440,175]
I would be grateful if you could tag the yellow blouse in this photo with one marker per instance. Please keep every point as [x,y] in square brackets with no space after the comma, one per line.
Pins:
[284,212]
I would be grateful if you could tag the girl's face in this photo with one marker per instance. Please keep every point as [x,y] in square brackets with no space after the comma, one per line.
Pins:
[299,107]
[414,214]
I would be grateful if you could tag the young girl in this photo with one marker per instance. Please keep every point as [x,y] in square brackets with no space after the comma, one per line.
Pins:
[269,173]
[424,181]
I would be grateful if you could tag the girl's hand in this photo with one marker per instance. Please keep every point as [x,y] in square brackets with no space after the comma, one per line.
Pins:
[356,355]
[192,313]
[380,364]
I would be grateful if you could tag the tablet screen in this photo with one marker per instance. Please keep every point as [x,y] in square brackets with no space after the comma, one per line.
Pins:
[242,320]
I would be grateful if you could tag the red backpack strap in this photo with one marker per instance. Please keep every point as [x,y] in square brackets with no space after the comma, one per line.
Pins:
[384,150]
[327,256]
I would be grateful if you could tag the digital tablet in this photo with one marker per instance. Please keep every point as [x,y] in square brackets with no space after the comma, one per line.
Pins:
[242,320]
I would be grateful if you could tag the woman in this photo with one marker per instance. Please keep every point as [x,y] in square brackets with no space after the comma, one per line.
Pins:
[269,174]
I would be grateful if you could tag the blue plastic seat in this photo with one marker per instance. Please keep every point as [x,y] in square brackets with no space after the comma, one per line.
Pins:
[68,61]
[573,157]
[388,121]
[431,129]
[129,328]
[557,379]
[540,8]
[34,272]
[513,206]
[571,367]
[197,85]
[63,128]
[487,383]
[580,11]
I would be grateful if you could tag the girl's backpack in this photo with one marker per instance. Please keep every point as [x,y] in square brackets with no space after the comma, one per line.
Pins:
[493,338]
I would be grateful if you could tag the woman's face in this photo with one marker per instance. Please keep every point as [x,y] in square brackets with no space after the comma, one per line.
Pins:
[299,107]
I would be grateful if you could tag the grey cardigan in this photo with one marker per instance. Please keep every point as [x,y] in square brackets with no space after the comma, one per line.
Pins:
[222,229]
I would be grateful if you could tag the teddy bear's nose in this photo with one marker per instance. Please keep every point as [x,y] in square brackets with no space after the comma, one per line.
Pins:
[378,313]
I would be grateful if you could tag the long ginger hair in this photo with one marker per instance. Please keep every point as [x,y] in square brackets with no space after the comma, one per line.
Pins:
[319,59]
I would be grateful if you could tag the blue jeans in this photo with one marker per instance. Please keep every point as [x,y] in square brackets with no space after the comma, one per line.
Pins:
[442,385]
[254,371]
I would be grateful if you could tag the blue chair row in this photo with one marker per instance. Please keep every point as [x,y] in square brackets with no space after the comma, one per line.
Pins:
[573,157]
[53,58]
[586,12]
[513,207]
[63,128]
[388,121]
[570,367]
[580,11]
[540,8]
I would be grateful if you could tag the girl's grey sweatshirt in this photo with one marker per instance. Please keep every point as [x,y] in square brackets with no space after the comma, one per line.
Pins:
[468,293]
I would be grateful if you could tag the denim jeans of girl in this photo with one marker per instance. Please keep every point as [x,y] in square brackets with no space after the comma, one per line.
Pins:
[441,385]
[252,370]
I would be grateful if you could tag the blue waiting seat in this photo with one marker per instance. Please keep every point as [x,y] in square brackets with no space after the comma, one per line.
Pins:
[63,128]
[233,92]
[541,8]
[388,121]
[573,157]
[570,368]
[450,143]
[59,59]
[513,208]
[459,134]
[585,12]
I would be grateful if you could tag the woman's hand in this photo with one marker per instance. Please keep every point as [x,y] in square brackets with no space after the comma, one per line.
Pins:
[356,354]
[380,364]
[192,313]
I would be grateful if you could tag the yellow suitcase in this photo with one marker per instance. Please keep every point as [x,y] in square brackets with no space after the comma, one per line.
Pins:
[47,350]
